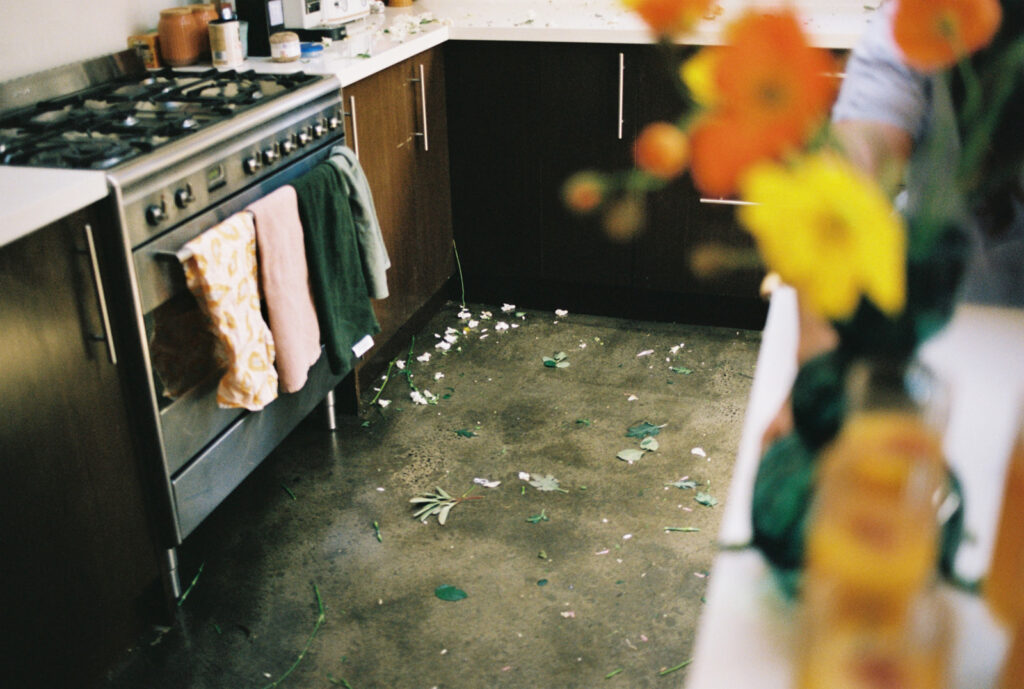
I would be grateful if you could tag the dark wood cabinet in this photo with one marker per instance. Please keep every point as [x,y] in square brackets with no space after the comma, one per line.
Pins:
[397,123]
[523,117]
[77,553]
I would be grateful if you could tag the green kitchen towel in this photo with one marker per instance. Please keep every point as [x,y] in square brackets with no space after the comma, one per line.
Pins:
[335,268]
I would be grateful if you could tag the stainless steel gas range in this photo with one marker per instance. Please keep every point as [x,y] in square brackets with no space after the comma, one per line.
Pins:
[182,150]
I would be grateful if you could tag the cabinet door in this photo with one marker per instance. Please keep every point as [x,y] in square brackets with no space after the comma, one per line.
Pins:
[430,239]
[590,93]
[494,117]
[678,222]
[77,551]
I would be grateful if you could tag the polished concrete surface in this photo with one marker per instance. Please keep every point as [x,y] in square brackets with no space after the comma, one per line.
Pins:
[578,587]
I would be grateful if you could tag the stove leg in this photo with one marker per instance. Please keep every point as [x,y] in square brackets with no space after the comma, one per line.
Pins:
[329,413]
[171,574]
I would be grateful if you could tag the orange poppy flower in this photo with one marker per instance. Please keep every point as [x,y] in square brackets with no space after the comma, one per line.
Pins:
[935,34]
[769,74]
[670,17]
[722,147]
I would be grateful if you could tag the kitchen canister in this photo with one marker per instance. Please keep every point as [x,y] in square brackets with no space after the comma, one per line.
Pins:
[202,15]
[225,40]
[176,31]
[284,46]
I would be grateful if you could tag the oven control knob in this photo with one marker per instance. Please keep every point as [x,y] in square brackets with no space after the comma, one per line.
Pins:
[184,196]
[334,122]
[305,136]
[270,156]
[288,146]
[251,165]
[156,213]
[319,129]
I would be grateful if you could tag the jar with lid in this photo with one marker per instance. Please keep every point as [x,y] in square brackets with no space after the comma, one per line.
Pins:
[177,32]
[284,46]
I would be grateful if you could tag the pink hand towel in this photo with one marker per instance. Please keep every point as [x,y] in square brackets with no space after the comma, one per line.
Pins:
[285,281]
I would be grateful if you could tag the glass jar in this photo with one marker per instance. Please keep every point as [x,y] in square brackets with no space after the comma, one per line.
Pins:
[874,527]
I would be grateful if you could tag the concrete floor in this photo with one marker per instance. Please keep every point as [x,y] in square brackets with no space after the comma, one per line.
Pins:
[596,586]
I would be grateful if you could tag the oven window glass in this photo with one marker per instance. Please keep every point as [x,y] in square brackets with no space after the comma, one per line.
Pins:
[183,349]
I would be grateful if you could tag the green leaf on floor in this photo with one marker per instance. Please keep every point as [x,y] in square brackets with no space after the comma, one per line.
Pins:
[681,369]
[705,499]
[536,518]
[546,483]
[449,593]
[557,360]
[584,422]
[649,444]
[630,455]
[542,582]
[683,484]
[643,430]
[465,433]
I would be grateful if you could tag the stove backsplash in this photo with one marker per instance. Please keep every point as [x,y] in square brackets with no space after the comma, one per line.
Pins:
[41,36]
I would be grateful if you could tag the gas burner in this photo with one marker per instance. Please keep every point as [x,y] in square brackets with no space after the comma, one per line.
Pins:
[93,154]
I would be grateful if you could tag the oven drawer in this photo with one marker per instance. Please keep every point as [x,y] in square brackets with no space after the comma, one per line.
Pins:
[232,456]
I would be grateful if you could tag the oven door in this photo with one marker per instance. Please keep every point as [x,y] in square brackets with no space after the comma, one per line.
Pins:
[185,365]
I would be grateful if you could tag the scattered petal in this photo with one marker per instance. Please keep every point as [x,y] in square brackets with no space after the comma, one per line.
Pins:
[632,398]
[451,338]
[417,397]
[424,357]
[602,552]
[561,313]
[646,352]
[627,536]
[473,323]
[501,325]
[567,613]
[505,308]
[443,346]
[485,315]
[524,476]
[438,376]
[383,403]
[464,314]
[699,451]
[400,364]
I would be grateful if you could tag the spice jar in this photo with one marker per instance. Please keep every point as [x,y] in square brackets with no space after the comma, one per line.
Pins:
[203,14]
[284,46]
[176,30]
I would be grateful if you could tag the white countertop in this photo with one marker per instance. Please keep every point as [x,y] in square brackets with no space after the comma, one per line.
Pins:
[34,197]
[746,635]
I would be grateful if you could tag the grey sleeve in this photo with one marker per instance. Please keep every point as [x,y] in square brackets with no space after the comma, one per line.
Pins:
[878,86]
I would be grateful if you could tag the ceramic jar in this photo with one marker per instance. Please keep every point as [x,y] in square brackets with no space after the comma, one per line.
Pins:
[203,14]
[177,31]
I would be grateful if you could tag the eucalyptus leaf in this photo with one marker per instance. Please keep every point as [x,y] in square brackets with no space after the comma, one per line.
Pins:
[449,593]
[681,369]
[465,433]
[683,484]
[562,364]
[705,499]
[630,454]
[549,362]
[442,515]
[643,430]
[649,443]
[546,483]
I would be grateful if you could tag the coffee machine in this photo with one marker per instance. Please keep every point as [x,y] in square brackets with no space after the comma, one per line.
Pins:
[315,19]
[312,20]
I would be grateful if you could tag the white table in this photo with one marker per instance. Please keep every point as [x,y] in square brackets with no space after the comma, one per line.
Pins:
[746,635]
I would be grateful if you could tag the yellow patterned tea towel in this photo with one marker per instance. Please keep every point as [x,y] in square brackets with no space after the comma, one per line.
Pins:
[220,268]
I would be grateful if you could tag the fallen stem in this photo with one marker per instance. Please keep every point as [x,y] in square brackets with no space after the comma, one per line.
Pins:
[462,282]
[613,673]
[680,666]
[684,529]
[376,531]
[289,491]
[302,654]
[387,377]
[191,585]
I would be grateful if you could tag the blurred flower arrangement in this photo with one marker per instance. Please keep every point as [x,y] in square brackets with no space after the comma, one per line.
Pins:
[756,129]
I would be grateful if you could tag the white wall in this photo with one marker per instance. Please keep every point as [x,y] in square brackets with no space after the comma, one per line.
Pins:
[39,35]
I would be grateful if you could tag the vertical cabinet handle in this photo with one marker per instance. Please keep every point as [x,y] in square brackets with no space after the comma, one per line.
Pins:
[101,300]
[622,79]
[423,107]
[355,125]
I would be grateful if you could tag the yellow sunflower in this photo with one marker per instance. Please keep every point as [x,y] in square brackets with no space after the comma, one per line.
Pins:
[829,231]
